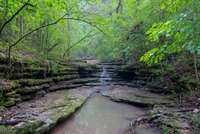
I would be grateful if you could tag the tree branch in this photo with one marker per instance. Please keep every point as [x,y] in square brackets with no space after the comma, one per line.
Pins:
[87,22]
[119,6]
[79,41]
[14,15]
[53,23]
[36,29]
[52,47]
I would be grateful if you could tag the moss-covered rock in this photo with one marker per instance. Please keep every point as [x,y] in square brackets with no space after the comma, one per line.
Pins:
[168,117]
[42,114]
[2,109]
[9,102]
[32,89]
[188,82]
[11,94]
[8,85]
[27,127]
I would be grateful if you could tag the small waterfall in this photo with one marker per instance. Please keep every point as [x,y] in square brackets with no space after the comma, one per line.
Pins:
[105,78]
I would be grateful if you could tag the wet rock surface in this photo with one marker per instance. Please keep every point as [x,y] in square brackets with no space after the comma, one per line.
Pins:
[163,111]
[136,96]
[40,115]
[40,104]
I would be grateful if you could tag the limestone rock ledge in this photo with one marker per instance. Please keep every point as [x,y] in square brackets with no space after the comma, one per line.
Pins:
[136,96]
[38,116]
[163,112]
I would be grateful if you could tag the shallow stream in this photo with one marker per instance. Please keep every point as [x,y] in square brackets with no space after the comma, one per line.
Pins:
[100,115]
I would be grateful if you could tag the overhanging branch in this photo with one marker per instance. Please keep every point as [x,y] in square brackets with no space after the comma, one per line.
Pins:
[87,22]
[14,15]
[54,23]
[36,29]
[52,47]
[79,41]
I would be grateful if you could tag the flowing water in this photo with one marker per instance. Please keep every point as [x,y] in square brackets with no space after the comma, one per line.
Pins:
[102,116]
[99,116]
[105,77]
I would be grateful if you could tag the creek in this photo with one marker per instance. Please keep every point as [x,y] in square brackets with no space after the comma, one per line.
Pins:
[100,115]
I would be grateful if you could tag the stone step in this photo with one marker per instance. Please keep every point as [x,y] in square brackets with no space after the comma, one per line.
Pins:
[32,89]
[62,87]
[111,64]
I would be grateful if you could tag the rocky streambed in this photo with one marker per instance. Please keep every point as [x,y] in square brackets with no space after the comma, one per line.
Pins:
[101,115]
[41,114]
[100,103]
[84,110]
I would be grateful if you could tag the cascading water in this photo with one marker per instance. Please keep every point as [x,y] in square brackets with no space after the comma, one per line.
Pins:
[105,78]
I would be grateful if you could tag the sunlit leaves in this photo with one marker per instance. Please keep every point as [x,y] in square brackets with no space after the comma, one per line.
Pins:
[174,5]
[154,56]
[157,30]
[178,34]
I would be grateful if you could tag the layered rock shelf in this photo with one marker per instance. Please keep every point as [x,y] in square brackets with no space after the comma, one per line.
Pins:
[34,101]
[39,115]
[28,80]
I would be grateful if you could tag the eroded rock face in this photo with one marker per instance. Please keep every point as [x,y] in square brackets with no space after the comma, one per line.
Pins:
[40,115]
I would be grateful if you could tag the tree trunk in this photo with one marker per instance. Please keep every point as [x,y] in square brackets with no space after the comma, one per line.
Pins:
[9,62]
[21,25]
[195,66]
[119,7]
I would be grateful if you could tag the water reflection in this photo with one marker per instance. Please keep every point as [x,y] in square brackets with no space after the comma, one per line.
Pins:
[102,116]
[99,116]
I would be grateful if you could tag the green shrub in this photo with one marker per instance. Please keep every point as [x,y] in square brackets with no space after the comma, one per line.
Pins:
[165,130]
[197,120]
[5,130]
[2,98]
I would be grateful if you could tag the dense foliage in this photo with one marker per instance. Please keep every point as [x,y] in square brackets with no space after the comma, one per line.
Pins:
[161,32]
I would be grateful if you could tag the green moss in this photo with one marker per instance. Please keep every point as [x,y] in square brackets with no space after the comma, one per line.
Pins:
[188,82]
[2,98]
[10,94]
[9,102]
[165,130]
[2,109]
[14,84]
[60,110]
[27,90]
[35,69]
[28,128]
[67,110]
[5,130]
[66,77]
[197,120]
[34,82]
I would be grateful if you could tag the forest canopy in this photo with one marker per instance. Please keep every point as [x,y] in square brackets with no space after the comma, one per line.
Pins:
[150,31]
